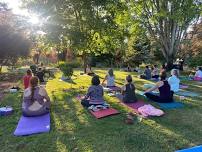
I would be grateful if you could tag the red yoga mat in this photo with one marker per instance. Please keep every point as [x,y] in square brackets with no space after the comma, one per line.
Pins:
[104,113]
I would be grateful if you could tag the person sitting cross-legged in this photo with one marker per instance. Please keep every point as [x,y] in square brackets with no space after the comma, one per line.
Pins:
[128,91]
[166,95]
[109,78]
[174,81]
[36,101]
[147,74]
[95,94]
[40,74]
[26,79]
[198,74]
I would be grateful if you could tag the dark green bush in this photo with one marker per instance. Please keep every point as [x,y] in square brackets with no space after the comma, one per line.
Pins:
[66,69]
[195,61]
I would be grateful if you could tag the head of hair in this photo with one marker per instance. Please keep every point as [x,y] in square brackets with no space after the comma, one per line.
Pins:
[163,75]
[155,66]
[95,80]
[129,79]
[29,72]
[33,83]
[111,72]
[163,66]
[174,72]
[200,68]
[147,66]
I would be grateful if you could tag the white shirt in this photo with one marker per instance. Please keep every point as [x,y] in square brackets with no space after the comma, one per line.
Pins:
[174,83]
[110,81]
[198,74]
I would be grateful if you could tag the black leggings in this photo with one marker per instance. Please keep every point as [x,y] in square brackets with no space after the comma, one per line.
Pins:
[157,98]
[155,76]
[86,103]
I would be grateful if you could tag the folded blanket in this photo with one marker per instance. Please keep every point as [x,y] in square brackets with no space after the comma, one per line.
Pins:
[149,110]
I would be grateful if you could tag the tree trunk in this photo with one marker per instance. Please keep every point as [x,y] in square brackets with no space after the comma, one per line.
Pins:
[169,61]
[84,63]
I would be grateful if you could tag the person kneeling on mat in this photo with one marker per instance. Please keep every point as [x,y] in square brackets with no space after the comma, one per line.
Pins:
[166,95]
[36,101]
[95,93]
[128,91]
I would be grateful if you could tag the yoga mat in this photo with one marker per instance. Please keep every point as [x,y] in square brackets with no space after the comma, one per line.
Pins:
[193,149]
[135,105]
[182,86]
[147,86]
[33,125]
[184,78]
[115,88]
[104,113]
[186,93]
[172,105]
[140,92]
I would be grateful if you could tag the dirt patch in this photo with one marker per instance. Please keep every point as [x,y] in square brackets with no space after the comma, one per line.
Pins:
[8,80]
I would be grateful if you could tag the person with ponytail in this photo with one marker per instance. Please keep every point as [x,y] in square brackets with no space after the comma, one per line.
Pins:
[128,91]
[36,101]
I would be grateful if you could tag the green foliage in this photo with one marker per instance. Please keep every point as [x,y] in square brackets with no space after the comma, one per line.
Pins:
[195,61]
[75,64]
[66,69]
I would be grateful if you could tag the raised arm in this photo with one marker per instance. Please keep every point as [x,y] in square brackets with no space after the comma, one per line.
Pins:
[104,79]
[158,84]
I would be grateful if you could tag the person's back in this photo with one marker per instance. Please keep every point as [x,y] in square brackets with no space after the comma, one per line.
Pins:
[174,83]
[26,79]
[110,81]
[198,73]
[33,68]
[35,100]
[129,93]
[40,75]
[95,94]
[147,73]
[165,91]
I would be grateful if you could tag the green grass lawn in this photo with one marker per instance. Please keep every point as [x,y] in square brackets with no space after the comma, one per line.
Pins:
[74,129]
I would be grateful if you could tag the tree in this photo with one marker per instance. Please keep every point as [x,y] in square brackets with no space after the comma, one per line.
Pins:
[14,43]
[167,21]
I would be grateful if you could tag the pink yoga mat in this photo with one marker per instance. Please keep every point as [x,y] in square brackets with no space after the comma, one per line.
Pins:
[104,113]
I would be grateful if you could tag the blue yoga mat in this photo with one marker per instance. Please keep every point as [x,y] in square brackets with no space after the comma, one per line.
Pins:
[172,105]
[193,149]
[186,94]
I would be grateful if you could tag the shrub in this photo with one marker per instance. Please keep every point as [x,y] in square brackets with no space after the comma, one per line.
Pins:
[195,61]
[66,69]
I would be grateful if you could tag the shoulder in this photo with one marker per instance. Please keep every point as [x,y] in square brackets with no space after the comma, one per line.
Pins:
[42,91]
[27,92]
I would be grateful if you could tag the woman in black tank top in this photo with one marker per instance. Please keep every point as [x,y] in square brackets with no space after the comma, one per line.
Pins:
[128,91]
[166,95]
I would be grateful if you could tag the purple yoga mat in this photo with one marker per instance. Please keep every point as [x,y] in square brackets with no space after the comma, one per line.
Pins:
[33,125]
[114,88]
[135,105]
